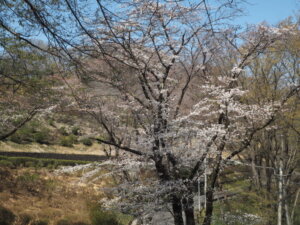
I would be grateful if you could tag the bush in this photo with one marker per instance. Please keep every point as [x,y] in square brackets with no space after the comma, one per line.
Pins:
[51,122]
[87,142]
[29,164]
[29,182]
[28,178]
[68,141]
[39,164]
[6,216]
[40,222]
[6,163]
[24,219]
[76,131]
[99,216]
[34,131]
[64,222]
[42,137]
[63,131]
[16,138]
[67,222]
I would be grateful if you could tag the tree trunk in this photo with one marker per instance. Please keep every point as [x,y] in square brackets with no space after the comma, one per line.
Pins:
[189,211]
[209,206]
[177,211]
[211,188]
[279,208]
[286,207]
[269,176]
[254,172]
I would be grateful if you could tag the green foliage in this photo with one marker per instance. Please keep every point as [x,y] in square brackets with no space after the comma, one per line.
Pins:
[64,222]
[246,208]
[63,131]
[33,131]
[6,216]
[29,182]
[24,219]
[6,163]
[40,222]
[296,218]
[51,122]
[76,131]
[99,216]
[67,222]
[28,177]
[68,141]
[42,137]
[87,142]
[29,164]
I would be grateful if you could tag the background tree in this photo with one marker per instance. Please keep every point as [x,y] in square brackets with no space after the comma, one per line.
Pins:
[25,81]
[275,149]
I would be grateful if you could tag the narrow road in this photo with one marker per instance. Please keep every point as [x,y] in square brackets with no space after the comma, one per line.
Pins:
[91,158]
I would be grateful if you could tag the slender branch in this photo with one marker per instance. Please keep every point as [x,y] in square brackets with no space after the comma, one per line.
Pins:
[23,122]
[127,149]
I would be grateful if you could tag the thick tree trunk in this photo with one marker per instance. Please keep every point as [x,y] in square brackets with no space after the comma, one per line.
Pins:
[177,211]
[211,188]
[189,211]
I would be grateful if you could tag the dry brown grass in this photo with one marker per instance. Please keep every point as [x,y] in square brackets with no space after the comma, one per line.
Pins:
[44,195]
[95,149]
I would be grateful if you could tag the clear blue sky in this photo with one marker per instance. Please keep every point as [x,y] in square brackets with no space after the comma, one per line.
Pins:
[271,11]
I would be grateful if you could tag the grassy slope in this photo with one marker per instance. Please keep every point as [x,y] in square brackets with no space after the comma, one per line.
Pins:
[44,195]
[95,149]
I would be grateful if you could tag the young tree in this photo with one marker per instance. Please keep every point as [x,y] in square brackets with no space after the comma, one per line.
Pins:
[173,68]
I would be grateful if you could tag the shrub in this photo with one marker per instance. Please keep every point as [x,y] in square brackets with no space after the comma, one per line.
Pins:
[76,131]
[39,164]
[6,216]
[99,216]
[67,222]
[29,182]
[87,142]
[6,163]
[40,222]
[28,177]
[63,222]
[34,131]
[42,137]
[68,141]
[24,219]
[16,138]
[51,122]
[63,131]
[30,164]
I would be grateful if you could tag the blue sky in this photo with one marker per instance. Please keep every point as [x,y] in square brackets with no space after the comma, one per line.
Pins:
[271,11]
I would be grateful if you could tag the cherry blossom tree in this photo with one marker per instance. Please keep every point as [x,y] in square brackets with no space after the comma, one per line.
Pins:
[170,95]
